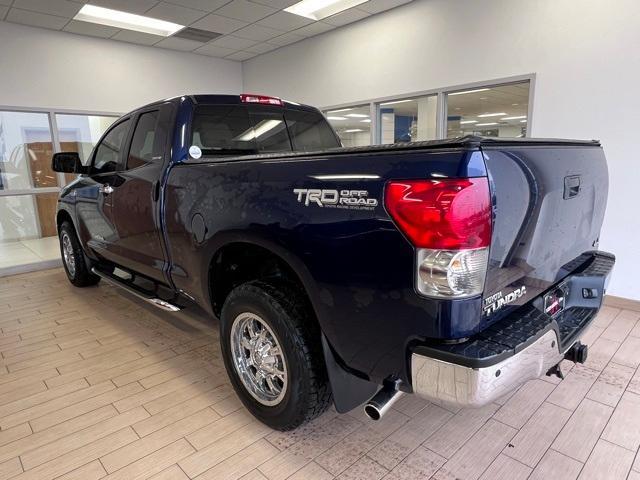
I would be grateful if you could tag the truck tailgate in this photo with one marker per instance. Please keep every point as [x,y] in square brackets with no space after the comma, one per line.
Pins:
[549,202]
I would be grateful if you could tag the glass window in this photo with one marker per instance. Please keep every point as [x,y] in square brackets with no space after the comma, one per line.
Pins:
[270,130]
[108,151]
[408,120]
[223,129]
[80,133]
[309,131]
[25,151]
[499,111]
[147,144]
[352,124]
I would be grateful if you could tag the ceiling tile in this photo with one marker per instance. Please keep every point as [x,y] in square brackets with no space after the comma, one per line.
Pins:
[257,32]
[204,5]
[175,13]
[348,16]
[216,23]
[174,43]
[91,29]
[244,10]
[36,19]
[137,37]
[60,8]
[6,2]
[261,48]
[214,50]
[285,21]
[3,12]
[285,39]
[377,6]
[240,56]
[132,6]
[229,41]
[278,4]
[314,29]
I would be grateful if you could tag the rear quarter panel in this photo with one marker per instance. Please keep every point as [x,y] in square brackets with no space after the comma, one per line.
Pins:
[358,269]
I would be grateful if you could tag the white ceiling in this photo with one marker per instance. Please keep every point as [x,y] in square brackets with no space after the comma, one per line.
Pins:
[248,27]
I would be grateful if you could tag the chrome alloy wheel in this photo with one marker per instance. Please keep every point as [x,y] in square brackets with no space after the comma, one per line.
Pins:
[67,253]
[258,359]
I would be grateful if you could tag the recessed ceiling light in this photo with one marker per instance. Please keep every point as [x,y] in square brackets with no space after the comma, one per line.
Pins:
[485,124]
[395,102]
[491,114]
[341,110]
[128,21]
[523,121]
[353,130]
[336,118]
[514,118]
[357,115]
[468,121]
[319,9]
[469,91]
[366,120]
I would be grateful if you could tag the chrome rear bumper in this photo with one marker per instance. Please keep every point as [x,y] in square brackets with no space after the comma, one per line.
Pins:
[440,381]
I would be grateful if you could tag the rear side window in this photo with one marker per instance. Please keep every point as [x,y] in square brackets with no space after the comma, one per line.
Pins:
[241,130]
[309,131]
[147,144]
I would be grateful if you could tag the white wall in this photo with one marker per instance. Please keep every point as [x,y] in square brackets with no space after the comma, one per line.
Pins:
[585,54]
[45,68]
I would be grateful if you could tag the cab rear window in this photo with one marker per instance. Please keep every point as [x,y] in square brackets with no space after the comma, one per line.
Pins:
[240,130]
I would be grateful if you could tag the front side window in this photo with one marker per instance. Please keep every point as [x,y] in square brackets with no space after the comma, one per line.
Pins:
[107,157]
[147,144]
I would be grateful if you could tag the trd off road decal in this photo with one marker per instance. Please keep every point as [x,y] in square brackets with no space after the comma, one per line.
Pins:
[497,300]
[350,199]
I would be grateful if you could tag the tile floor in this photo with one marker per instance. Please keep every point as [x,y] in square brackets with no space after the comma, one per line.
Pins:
[94,384]
[20,255]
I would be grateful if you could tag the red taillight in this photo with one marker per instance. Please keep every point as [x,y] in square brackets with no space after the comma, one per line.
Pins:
[449,214]
[262,99]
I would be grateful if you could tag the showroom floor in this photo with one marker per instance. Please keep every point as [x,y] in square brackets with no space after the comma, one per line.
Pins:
[95,383]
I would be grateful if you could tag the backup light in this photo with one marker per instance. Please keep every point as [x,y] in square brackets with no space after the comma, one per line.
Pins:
[128,21]
[319,9]
[449,222]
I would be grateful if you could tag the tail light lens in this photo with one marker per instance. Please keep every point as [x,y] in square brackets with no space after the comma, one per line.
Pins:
[449,222]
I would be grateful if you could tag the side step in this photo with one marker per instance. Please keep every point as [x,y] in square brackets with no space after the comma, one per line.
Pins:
[136,291]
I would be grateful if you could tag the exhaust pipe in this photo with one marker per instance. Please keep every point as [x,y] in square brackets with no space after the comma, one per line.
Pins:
[382,401]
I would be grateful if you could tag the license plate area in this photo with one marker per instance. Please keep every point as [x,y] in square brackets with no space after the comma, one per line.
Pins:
[555,300]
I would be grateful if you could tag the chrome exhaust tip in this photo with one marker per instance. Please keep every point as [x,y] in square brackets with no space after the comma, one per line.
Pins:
[381,402]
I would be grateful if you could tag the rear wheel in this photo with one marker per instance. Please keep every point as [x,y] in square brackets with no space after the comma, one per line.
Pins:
[272,353]
[73,258]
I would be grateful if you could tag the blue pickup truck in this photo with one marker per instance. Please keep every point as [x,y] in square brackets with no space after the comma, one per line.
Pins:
[454,269]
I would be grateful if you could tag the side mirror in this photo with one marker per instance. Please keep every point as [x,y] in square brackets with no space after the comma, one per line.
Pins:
[67,162]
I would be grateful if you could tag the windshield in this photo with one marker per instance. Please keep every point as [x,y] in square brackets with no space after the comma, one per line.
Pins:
[244,130]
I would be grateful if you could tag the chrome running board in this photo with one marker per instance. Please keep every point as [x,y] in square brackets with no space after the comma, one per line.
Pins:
[136,291]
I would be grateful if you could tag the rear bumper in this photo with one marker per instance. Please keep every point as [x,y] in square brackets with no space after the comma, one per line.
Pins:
[522,346]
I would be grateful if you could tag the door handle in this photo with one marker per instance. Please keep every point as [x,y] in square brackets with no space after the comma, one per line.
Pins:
[106,189]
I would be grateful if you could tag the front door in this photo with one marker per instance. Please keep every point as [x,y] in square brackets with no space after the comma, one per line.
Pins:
[93,192]
[135,201]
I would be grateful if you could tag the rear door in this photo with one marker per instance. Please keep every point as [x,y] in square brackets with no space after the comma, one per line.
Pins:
[137,243]
[549,203]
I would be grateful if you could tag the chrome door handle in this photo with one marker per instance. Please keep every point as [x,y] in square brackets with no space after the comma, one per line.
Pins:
[106,189]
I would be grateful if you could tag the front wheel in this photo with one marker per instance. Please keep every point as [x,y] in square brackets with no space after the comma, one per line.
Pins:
[73,259]
[272,352]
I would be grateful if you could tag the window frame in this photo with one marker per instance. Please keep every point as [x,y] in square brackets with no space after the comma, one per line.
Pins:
[441,107]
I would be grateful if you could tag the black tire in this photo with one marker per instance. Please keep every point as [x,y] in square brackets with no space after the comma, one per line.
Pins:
[78,273]
[287,314]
